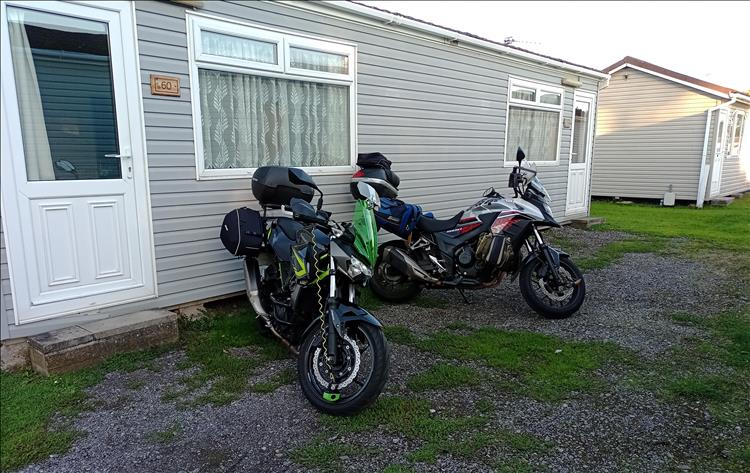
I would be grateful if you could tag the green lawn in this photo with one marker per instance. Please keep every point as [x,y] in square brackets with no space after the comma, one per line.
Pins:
[720,227]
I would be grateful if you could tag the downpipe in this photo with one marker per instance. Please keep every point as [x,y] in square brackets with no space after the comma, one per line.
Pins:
[253,294]
[406,265]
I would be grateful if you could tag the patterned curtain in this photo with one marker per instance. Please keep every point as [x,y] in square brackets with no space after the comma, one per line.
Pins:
[219,44]
[251,121]
[319,61]
[535,131]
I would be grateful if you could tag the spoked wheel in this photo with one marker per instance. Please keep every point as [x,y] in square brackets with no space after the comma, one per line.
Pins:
[355,381]
[391,285]
[551,299]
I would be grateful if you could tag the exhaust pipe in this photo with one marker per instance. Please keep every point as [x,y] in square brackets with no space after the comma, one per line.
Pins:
[406,265]
[252,273]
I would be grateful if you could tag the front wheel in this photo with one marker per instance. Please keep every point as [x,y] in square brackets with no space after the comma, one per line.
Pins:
[358,377]
[548,298]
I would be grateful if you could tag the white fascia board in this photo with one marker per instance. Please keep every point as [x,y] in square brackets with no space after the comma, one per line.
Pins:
[387,19]
[672,79]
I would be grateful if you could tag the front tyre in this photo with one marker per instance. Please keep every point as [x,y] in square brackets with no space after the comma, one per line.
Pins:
[549,299]
[357,379]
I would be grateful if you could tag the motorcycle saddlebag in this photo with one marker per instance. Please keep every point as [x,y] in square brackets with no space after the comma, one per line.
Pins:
[397,217]
[242,232]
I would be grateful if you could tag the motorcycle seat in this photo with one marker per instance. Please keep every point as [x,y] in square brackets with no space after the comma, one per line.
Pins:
[433,225]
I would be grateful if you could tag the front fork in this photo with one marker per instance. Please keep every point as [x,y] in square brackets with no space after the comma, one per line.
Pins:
[551,256]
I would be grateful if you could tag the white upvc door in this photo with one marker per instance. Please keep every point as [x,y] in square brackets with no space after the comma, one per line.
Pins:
[720,147]
[74,182]
[581,143]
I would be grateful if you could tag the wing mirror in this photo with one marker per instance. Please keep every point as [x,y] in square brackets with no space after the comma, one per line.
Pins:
[520,155]
[304,212]
[368,194]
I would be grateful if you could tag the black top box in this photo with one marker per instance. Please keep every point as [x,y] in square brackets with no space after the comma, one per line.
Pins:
[272,188]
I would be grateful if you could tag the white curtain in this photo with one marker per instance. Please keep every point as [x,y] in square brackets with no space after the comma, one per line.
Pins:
[580,135]
[33,129]
[535,131]
[218,44]
[319,61]
[250,121]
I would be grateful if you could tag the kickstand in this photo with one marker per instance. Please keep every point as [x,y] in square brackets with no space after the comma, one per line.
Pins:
[466,299]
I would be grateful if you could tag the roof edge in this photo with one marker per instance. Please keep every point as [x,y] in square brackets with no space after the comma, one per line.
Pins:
[391,18]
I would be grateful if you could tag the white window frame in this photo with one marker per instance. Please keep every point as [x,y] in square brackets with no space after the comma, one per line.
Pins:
[282,70]
[539,88]
[735,152]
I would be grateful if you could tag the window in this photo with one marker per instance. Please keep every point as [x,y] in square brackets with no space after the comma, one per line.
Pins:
[534,112]
[267,98]
[738,129]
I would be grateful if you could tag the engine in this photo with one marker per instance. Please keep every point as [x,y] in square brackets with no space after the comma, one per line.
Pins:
[495,251]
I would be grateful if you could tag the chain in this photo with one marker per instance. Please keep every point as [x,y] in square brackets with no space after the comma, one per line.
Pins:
[323,330]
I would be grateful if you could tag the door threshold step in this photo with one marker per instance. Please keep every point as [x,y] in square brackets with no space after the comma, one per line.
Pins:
[587,222]
[721,201]
[83,345]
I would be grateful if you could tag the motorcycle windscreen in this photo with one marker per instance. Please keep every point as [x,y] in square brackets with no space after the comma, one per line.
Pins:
[365,232]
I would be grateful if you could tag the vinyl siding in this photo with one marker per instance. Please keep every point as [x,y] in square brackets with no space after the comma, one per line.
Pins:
[436,110]
[735,176]
[650,134]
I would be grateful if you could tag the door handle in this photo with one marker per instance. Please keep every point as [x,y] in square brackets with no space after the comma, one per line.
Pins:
[128,166]
[117,156]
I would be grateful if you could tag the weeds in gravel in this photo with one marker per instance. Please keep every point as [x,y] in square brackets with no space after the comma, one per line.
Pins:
[444,376]
[28,402]
[135,384]
[399,468]
[429,302]
[614,252]
[167,435]
[543,366]
[208,343]
[324,454]
[368,300]
[283,377]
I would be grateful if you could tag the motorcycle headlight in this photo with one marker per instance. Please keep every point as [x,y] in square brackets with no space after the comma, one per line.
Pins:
[358,270]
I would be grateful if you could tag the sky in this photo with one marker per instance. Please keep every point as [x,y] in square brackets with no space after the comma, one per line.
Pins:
[707,40]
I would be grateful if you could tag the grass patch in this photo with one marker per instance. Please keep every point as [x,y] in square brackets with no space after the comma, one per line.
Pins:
[543,366]
[135,384]
[705,388]
[283,377]
[723,227]
[368,300]
[686,318]
[428,302]
[411,417]
[398,334]
[444,376]
[614,252]
[208,343]
[325,455]
[28,402]
[167,435]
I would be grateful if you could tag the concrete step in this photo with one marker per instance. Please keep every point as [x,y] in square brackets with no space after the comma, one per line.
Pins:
[586,222]
[86,344]
[721,201]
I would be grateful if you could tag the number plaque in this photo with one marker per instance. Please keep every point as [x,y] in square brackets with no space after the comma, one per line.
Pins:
[163,85]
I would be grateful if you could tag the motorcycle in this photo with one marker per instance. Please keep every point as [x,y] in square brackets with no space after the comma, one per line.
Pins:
[301,269]
[479,247]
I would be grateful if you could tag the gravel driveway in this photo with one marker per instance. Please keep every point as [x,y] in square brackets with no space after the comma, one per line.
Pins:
[619,428]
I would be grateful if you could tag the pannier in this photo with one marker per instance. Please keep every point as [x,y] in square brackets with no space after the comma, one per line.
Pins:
[242,232]
[397,217]
[272,188]
[376,171]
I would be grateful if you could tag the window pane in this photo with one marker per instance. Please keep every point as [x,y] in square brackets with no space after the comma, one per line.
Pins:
[523,93]
[319,61]
[250,121]
[218,44]
[580,133]
[738,129]
[64,85]
[535,131]
[550,97]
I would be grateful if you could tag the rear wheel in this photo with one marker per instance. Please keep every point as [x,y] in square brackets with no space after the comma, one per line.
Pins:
[390,284]
[355,381]
[548,298]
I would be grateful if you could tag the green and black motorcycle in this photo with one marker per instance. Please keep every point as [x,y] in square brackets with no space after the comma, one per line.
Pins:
[301,270]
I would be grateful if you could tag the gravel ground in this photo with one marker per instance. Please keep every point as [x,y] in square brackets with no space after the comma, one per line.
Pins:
[620,429]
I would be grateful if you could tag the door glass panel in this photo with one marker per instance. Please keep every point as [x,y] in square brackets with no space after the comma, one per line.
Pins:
[64,85]
[580,133]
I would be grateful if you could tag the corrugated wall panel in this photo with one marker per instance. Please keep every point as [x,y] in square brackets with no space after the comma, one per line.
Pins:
[649,136]
[436,110]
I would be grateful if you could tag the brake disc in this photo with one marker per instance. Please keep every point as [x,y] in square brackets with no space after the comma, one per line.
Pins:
[353,351]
